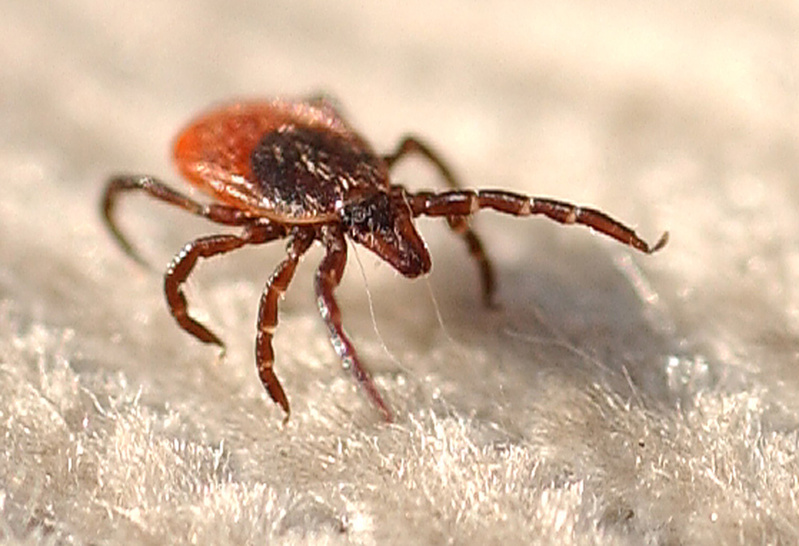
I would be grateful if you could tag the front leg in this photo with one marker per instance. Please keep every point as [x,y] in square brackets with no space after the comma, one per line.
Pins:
[328,277]
[183,263]
[467,202]
[267,315]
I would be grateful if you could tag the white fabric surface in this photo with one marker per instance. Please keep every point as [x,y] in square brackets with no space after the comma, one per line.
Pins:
[615,398]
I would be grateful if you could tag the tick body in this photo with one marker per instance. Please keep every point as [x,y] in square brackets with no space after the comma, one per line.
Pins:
[296,170]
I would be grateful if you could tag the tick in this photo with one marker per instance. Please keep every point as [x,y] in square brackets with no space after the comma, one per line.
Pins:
[297,170]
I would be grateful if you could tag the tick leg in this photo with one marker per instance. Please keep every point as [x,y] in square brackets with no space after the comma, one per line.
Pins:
[467,202]
[267,315]
[459,224]
[412,145]
[328,277]
[185,260]
[153,187]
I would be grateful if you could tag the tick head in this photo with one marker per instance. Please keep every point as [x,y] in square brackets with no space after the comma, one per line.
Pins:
[384,225]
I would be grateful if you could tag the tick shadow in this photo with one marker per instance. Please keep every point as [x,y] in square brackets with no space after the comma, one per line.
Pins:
[571,308]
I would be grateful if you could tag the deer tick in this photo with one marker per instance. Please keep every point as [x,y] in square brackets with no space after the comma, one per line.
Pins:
[297,170]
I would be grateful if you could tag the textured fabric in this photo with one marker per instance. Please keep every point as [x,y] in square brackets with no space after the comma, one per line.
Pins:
[613,398]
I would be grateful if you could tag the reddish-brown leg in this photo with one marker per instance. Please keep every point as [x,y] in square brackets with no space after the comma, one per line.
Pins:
[267,314]
[328,277]
[153,187]
[411,145]
[460,225]
[467,202]
[205,247]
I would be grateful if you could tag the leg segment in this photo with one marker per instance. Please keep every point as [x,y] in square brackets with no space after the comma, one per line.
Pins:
[328,277]
[412,145]
[153,187]
[460,225]
[467,202]
[206,247]
[267,315]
